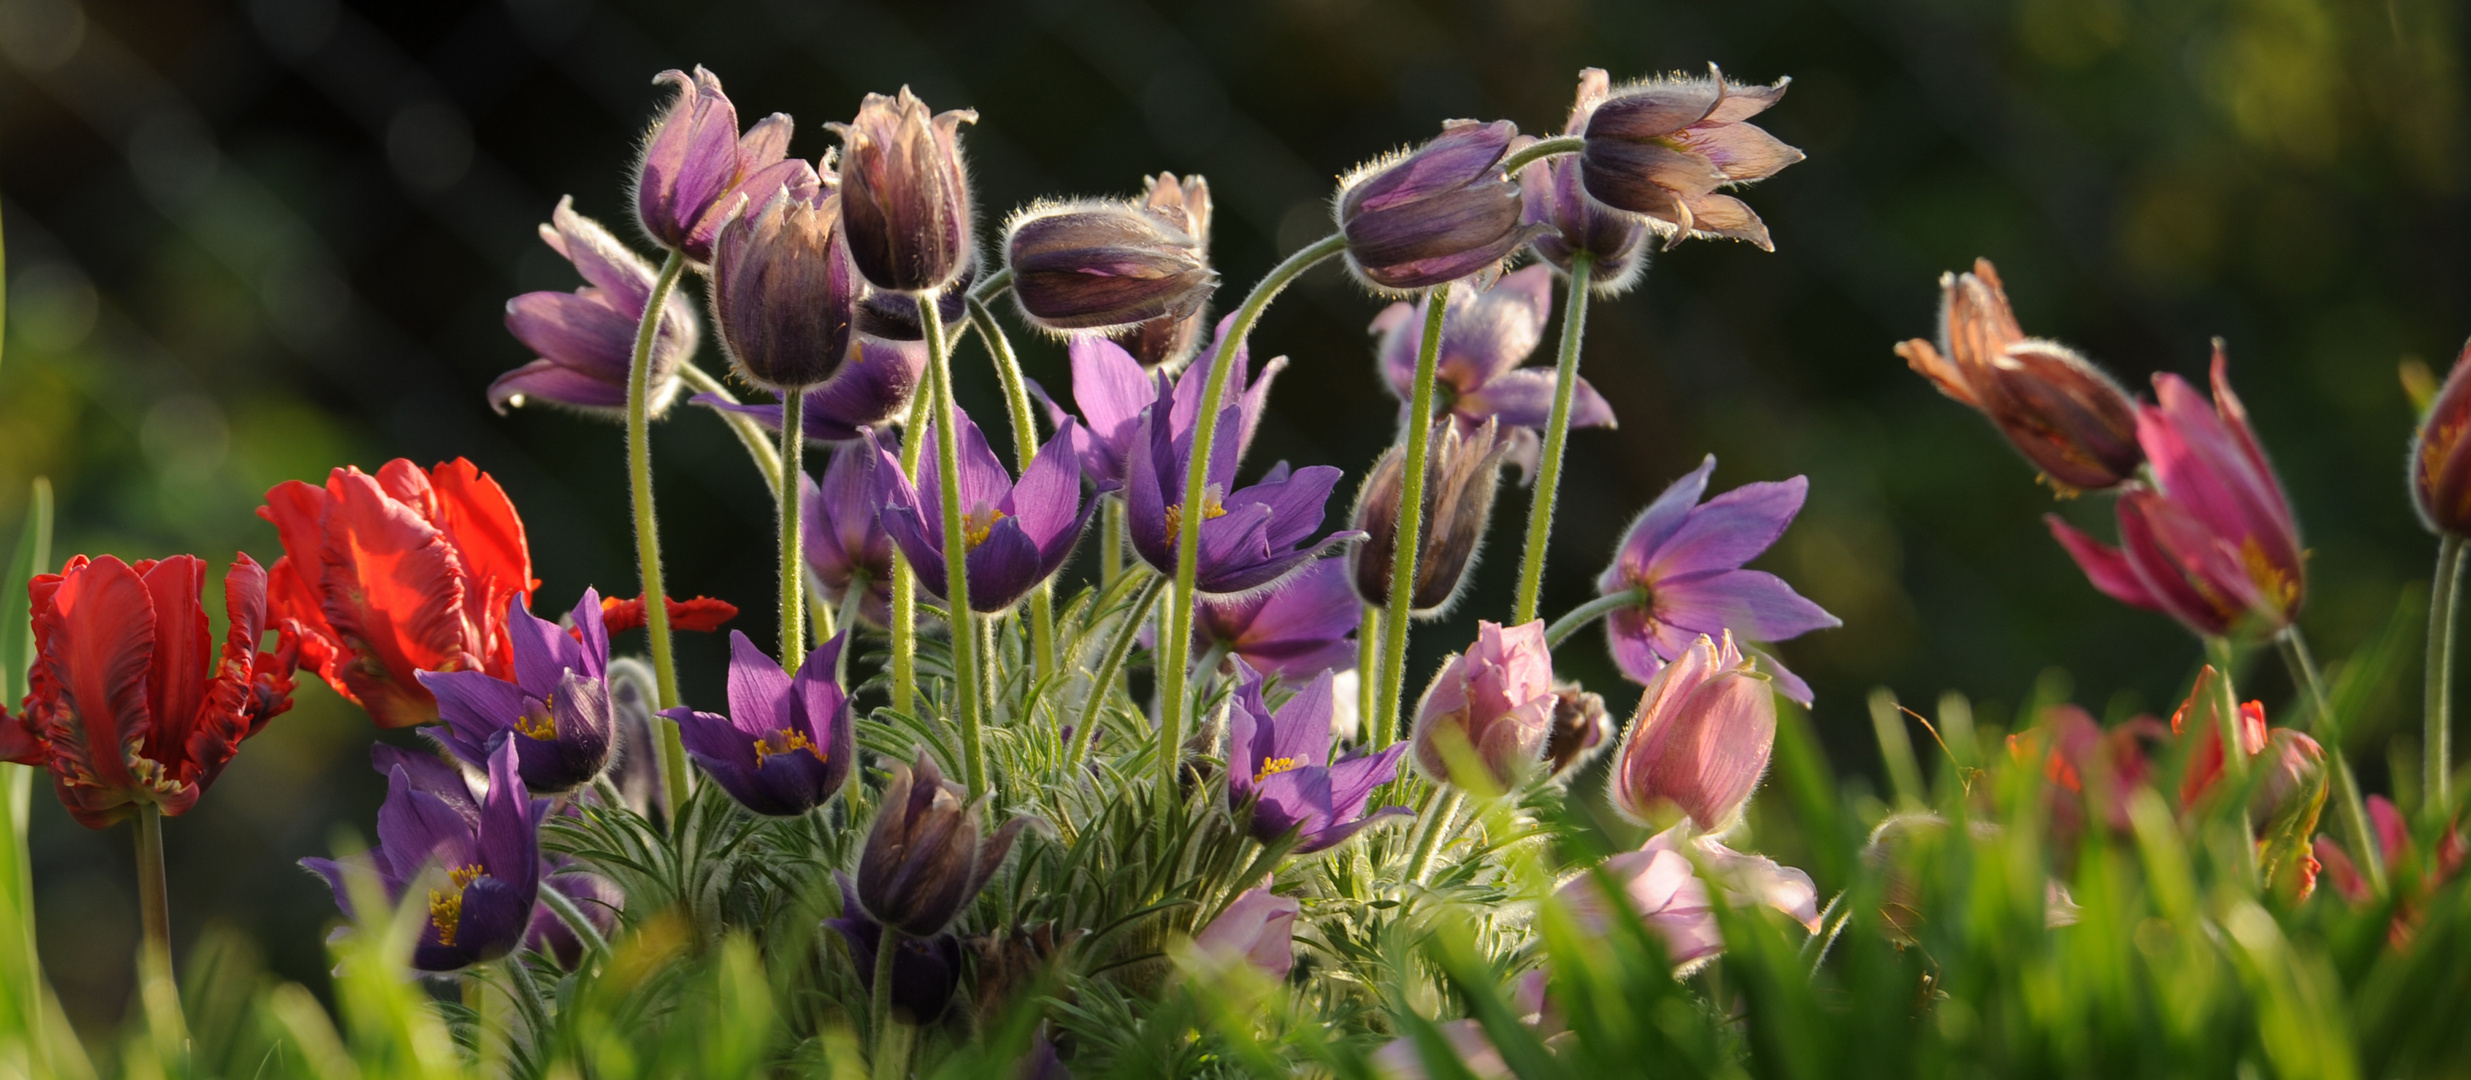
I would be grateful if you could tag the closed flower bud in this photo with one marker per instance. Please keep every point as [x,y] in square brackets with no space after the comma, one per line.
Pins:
[1437,214]
[905,195]
[2067,417]
[1701,738]
[1614,242]
[1461,474]
[1495,702]
[923,861]
[1259,929]
[1093,265]
[893,316]
[696,166]
[1661,148]
[1580,728]
[1171,338]
[2293,785]
[783,292]
[2441,457]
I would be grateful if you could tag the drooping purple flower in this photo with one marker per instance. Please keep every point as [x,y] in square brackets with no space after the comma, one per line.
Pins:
[1662,147]
[1113,392]
[1017,534]
[1485,335]
[1299,629]
[1259,929]
[784,292]
[787,743]
[1436,214]
[925,971]
[1095,266]
[1683,561]
[696,166]
[1281,765]
[480,853]
[873,387]
[1169,338]
[923,861]
[1462,474]
[846,544]
[1615,242]
[556,713]
[586,339]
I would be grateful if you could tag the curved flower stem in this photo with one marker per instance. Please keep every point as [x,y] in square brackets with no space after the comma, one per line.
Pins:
[1556,435]
[572,915]
[648,532]
[1368,664]
[2234,756]
[1025,451]
[1431,841]
[1177,642]
[956,549]
[2347,804]
[1578,617]
[2437,718]
[905,580]
[1540,150]
[1110,542]
[1102,681]
[153,903]
[1409,543]
[879,1012]
[793,575]
[750,434]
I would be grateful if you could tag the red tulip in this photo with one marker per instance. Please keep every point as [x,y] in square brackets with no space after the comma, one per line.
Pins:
[129,702]
[405,571]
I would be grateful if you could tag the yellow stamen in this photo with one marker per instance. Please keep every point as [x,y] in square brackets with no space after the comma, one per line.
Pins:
[2278,584]
[782,742]
[544,726]
[974,531]
[1209,509]
[446,907]
[1274,766]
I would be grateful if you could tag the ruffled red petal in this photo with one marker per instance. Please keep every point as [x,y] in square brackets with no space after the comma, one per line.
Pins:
[702,614]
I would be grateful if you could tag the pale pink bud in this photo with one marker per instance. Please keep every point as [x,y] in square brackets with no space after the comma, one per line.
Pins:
[1259,928]
[1497,700]
[1700,740]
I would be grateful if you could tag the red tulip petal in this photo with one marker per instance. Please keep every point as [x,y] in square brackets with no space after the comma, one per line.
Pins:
[394,592]
[176,678]
[702,614]
[229,714]
[98,653]
[481,523]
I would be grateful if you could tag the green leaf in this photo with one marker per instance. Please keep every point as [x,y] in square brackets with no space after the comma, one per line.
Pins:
[31,556]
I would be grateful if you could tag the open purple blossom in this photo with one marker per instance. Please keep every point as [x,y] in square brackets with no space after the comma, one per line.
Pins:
[480,854]
[787,743]
[556,713]
[1113,391]
[873,387]
[1298,629]
[846,544]
[1682,562]
[1485,335]
[1017,534]
[925,971]
[1281,765]
[696,165]
[586,338]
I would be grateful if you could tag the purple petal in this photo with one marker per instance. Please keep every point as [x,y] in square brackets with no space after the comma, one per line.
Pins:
[542,649]
[873,387]
[1302,725]
[547,380]
[510,850]
[576,331]
[1638,648]
[1003,568]
[1785,681]
[1495,330]
[1751,603]
[758,689]
[921,545]
[476,707]
[1729,530]
[1047,501]
[429,773]
[715,742]
[1109,386]
[1648,531]
[593,648]
[1522,398]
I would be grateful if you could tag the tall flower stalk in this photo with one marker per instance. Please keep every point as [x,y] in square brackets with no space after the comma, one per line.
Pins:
[1410,527]
[965,656]
[1025,452]
[793,557]
[2437,717]
[1556,438]
[648,530]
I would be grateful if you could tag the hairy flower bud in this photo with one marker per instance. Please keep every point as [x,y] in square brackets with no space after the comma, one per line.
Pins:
[1434,215]
[1095,265]
[2441,457]
[1259,929]
[1461,473]
[1614,242]
[2067,417]
[1701,738]
[923,861]
[905,195]
[1171,338]
[783,292]
[1495,702]
[696,165]
[1661,148]
[1580,728]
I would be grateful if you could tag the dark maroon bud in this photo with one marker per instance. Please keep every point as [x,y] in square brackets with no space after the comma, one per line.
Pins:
[784,292]
[1435,215]
[923,861]
[1615,242]
[1170,339]
[893,316]
[1092,265]
[1581,728]
[905,195]
[1462,471]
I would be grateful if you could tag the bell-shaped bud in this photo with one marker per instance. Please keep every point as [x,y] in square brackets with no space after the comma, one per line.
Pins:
[2441,457]
[2068,418]
[1437,214]
[1581,728]
[1614,242]
[1661,148]
[1462,471]
[784,292]
[2293,781]
[1097,265]
[1172,338]
[905,195]
[696,166]
[1493,704]
[1259,929]
[1701,738]
[923,861]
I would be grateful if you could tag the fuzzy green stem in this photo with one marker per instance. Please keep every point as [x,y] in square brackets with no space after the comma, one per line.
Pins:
[1025,452]
[793,573]
[1430,842]
[1578,617]
[647,527]
[880,1007]
[1368,663]
[1556,436]
[1110,542]
[153,902]
[750,434]
[1540,150]
[1102,681]
[965,656]
[2437,718]
[2234,756]
[2347,803]
[1409,542]
[852,603]
[904,627]
[1175,645]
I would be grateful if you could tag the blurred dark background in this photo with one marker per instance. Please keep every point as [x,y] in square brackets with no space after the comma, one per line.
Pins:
[250,241]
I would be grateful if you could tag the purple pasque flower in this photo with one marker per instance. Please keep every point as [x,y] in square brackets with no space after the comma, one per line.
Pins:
[1297,629]
[1485,335]
[925,971]
[1553,195]
[479,853]
[1433,215]
[2212,541]
[1661,884]
[784,292]
[1114,391]
[787,743]
[1495,702]
[586,339]
[1259,929]
[1017,534]
[1662,147]
[873,387]
[1101,265]
[696,165]
[1169,338]
[1683,562]
[923,862]
[1280,764]
[556,713]
[846,544]
[905,196]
